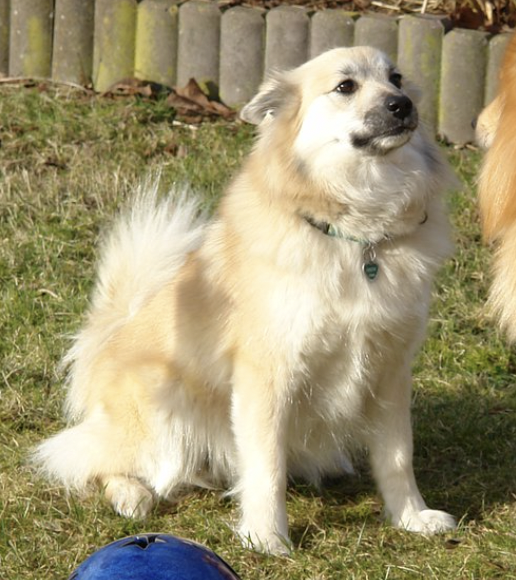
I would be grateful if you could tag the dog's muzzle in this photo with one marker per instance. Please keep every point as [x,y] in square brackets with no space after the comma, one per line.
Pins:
[387,126]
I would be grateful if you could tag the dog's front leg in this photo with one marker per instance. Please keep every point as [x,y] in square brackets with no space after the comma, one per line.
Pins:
[391,448]
[260,417]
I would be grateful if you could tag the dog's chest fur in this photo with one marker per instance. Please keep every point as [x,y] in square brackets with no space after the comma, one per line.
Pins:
[320,330]
[308,308]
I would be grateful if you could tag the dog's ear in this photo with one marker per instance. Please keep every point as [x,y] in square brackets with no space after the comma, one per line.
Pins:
[272,95]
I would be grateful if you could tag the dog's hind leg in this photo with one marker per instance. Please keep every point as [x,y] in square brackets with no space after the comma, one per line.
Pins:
[96,451]
[128,496]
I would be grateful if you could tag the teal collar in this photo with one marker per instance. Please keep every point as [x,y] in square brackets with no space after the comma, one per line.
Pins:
[370,266]
[334,232]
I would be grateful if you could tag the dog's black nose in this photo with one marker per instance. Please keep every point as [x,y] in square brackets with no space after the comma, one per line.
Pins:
[400,106]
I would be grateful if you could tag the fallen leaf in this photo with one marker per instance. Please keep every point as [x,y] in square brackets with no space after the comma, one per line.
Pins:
[191,102]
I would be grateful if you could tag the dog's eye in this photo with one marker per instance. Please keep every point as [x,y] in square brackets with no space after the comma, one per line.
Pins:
[395,79]
[347,87]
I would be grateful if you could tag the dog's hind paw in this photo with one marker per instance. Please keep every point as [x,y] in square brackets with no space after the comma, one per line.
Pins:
[128,496]
[427,522]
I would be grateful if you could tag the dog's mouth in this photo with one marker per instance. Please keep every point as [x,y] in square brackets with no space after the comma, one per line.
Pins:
[384,141]
[363,141]
[385,130]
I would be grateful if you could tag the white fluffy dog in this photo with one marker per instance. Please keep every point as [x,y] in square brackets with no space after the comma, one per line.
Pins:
[280,335]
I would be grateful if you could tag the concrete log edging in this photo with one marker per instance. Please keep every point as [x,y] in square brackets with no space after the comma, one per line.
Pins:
[419,57]
[378,31]
[156,41]
[114,42]
[242,46]
[330,29]
[30,38]
[4,37]
[462,83]
[495,51]
[73,41]
[229,52]
[287,37]
[198,54]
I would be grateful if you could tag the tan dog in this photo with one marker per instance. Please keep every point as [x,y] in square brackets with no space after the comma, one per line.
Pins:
[279,336]
[496,130]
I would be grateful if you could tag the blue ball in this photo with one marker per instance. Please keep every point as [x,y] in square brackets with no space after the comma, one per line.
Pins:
[154,557]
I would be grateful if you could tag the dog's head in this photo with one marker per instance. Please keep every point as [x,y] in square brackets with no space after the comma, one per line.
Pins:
[350,99]
[339,138]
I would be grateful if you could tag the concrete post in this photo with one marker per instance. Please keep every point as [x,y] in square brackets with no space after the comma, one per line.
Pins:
[72,59]
[4,37]
[287,38]
[495,54]
[330,29]
[156,41]
[114,40]
[199,45]
[419,57]
[379,31]
[30,50]
[462,83]
[242,51]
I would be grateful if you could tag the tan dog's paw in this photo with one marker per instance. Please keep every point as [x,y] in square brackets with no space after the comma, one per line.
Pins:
[427,522]
[268,543]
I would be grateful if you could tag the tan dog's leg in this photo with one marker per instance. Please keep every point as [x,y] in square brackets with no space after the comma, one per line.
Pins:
[390,448]
[260,415]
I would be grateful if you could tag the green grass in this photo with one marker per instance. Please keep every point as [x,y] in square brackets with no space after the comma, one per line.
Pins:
[67,161]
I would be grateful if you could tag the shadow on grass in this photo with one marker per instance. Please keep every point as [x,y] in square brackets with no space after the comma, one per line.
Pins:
[465,451]
[464,459]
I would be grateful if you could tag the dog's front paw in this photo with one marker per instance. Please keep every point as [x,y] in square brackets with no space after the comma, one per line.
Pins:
[427,522]
[272,542]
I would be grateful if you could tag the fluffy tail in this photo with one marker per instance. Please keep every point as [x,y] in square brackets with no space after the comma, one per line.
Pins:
[78,455]
[146,247]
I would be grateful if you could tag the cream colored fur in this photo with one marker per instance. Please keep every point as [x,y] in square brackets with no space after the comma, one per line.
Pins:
[235,351]
[496,131]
